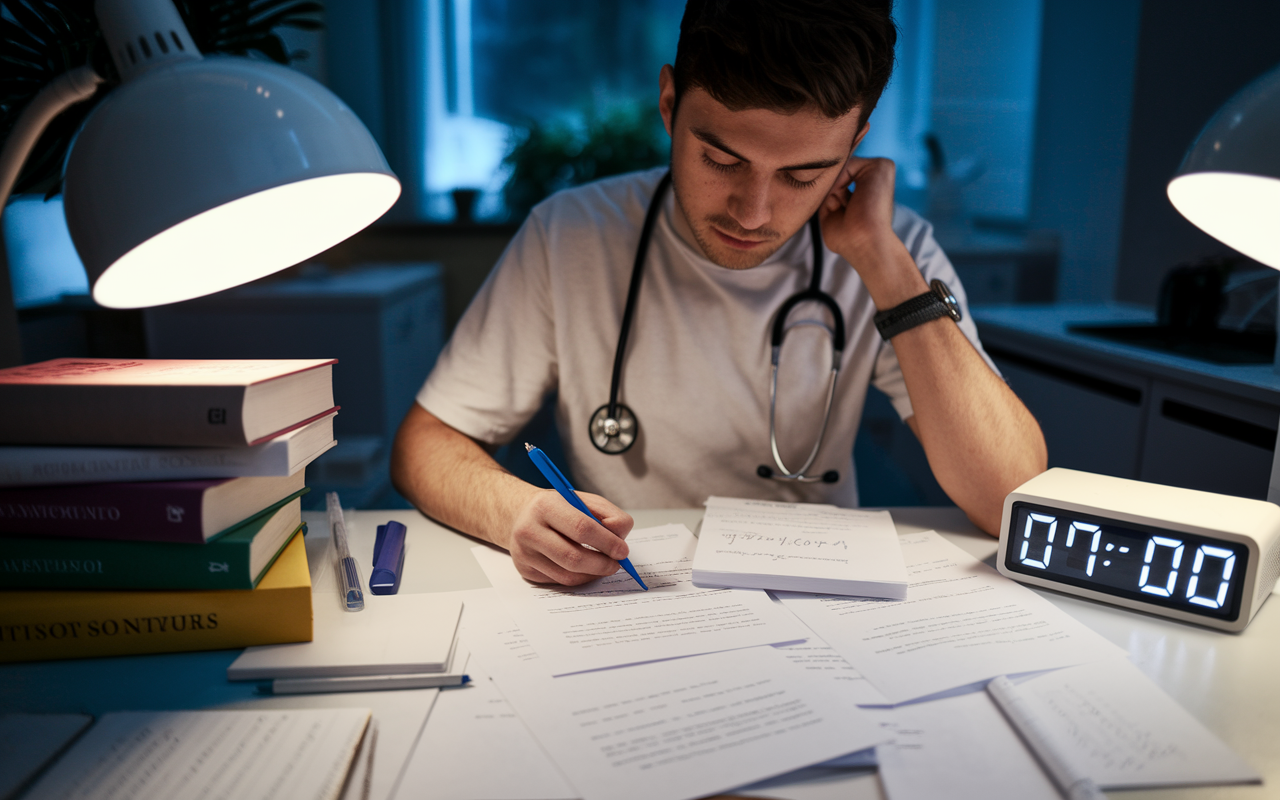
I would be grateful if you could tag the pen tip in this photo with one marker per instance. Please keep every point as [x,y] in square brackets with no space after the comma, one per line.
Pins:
[528,448]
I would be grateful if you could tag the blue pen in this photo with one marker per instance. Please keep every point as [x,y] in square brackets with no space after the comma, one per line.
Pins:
[561,484]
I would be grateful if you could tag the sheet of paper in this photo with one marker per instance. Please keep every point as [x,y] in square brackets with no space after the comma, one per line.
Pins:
[1115,724]
[446,764]
[612,622]
[681,728]
[140,755]
[30,741]
[962,623]
[398,717]
[820,661]
[474,745]
[960,748]
[799,547]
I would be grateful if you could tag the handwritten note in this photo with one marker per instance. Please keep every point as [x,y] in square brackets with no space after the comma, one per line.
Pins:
[1113,723]
[801,547]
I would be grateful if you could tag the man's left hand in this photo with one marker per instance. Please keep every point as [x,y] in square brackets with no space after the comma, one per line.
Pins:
[858,226]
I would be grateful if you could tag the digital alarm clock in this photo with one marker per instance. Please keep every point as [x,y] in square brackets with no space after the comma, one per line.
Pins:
[1209,559]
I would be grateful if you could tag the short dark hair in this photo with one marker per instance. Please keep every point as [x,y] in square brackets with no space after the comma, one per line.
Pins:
[786,54]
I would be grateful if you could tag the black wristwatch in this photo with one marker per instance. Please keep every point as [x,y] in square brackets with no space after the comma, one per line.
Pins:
[935,303]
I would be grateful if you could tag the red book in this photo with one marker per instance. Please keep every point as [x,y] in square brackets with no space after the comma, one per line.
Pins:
[135,402]
[157,511]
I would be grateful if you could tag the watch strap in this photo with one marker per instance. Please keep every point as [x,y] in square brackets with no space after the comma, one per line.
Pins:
[907,315]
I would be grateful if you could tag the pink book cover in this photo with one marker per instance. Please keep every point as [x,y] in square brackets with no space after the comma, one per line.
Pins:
[156,372]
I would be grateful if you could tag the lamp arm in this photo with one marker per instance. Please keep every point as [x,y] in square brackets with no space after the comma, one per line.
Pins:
[64,91]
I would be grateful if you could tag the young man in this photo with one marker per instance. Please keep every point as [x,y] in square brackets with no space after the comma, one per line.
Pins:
[765,105]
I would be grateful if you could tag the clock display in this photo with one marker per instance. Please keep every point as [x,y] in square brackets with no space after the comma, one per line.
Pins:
[1195,574]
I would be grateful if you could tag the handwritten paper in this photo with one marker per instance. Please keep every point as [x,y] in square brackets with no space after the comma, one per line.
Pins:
[962,623]
[611,622]
[799,547]
[677,729]
[1113,723]
[157,755]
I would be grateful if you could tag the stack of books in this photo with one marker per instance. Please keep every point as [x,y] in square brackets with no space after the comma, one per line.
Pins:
[151,506]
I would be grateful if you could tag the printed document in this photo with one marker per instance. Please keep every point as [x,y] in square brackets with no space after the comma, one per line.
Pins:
[475,745]
[145,755]
[612,622]
[799,547]
[677,729]
[962,623]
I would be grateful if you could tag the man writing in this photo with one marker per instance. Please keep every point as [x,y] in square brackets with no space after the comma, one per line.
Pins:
[765,106]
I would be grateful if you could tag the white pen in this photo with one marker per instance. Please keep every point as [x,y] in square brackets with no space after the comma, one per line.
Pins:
[352,594]
[1073,783]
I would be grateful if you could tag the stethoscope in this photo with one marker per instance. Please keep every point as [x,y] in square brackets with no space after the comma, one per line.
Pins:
[613,427]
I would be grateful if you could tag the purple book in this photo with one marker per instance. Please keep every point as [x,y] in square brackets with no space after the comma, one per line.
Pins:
[151,511]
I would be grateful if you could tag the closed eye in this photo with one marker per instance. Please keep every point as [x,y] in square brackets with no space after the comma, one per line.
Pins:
[719,166]
[797,182]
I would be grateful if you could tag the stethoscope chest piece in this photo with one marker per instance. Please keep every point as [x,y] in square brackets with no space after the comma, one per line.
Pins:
[614,433]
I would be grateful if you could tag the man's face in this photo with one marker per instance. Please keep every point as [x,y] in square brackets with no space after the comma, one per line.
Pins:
[746,181]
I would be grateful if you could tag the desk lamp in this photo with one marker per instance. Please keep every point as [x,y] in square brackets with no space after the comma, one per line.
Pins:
[1229,182]
[1229,185]
[198,173]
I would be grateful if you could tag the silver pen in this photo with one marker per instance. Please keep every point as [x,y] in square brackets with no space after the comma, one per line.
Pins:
[352,594]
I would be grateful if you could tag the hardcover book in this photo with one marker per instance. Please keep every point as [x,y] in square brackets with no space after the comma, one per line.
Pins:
[201,403]
[234,561]
[39,625]
[191,512]
[284,455]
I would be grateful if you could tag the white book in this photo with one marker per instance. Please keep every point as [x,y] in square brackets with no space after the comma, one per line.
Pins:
[395,634]
[284,455]
[799,547]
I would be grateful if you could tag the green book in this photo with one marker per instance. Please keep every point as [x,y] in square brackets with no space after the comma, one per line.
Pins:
[236,560]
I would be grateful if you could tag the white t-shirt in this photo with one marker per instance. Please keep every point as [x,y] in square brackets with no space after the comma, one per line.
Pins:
[697,368]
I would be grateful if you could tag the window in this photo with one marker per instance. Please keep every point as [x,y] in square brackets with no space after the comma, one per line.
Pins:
[966,71]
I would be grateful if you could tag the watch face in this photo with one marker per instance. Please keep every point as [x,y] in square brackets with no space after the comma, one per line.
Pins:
[948,299]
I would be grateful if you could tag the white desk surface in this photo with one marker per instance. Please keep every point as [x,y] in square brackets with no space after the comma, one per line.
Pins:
[1230,682]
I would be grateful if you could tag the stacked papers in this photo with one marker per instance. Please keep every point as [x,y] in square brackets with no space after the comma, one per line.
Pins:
[797,547]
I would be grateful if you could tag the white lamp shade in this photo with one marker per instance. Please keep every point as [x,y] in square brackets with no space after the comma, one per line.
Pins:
[1229,182]
[205,174]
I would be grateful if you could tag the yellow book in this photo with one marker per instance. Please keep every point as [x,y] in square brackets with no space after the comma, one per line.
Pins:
[35,626]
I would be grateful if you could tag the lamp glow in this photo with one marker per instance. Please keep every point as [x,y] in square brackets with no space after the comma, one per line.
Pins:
[244,240]
[1229,182]
[1240,210]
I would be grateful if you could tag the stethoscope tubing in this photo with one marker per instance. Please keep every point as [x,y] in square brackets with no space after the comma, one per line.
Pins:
[615,410]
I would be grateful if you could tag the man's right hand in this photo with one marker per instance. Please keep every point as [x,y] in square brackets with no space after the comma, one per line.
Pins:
[553,542]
